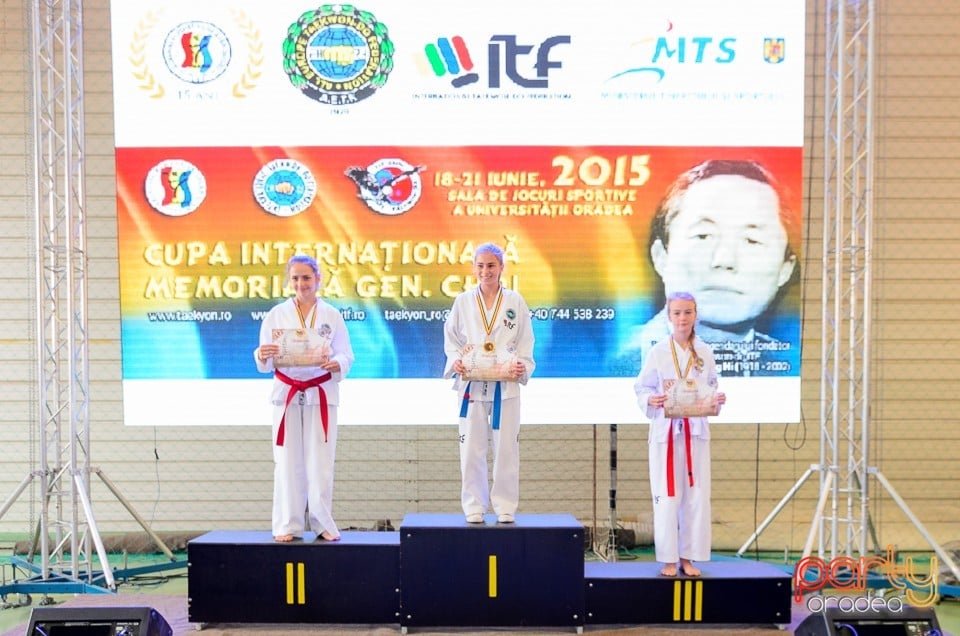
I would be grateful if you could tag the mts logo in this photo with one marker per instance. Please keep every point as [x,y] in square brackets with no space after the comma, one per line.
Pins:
[695,49]
[684,50]
[505,58]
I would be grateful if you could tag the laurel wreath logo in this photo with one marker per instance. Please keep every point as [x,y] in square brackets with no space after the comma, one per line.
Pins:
[146,81]
[248,79]
[141,70]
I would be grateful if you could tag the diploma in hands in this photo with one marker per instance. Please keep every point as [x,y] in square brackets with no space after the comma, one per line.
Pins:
[485,366]
[301,348]
[690,397]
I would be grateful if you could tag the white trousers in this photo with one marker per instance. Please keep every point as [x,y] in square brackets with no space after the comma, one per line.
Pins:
[303,470]
[476,435]
[681,524]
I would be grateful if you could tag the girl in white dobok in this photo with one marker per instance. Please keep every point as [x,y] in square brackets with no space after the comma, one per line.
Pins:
[679,448]
[489,323]
[305,399]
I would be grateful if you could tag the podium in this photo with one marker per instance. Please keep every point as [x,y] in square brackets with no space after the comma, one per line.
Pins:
[247,577]
[438,570]
[457,574]
[740,591]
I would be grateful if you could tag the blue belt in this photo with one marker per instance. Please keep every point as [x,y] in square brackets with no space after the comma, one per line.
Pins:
[496,405]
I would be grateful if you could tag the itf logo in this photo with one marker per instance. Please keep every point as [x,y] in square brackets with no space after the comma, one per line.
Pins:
[451,56]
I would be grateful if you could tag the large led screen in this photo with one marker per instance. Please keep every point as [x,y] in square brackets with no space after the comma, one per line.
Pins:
[614,149]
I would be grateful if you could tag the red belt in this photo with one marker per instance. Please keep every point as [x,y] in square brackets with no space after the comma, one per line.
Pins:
[671,490]
[296,386]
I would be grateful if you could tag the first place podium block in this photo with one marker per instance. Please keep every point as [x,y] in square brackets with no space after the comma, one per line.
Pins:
[528,573]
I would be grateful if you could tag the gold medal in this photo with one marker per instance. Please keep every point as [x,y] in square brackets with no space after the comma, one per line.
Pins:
[489,347]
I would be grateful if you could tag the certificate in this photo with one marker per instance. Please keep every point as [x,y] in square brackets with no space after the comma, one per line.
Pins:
[301,348]
[486,366]
[690,397]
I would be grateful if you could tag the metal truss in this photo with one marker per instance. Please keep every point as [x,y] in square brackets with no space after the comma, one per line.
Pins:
[66,516]
[842,525]
[846,303]
[846,467]
[62,558]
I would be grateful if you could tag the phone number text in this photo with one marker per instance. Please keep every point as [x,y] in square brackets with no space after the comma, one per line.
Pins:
[573,313]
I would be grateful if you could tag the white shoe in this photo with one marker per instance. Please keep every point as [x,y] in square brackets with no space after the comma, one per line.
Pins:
[475,517]
[505,518]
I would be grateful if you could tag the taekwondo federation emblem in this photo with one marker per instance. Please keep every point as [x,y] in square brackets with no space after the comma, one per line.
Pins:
[337,54]
[222,53]
[284,187]
[388,186]
[197,52]
[175,187]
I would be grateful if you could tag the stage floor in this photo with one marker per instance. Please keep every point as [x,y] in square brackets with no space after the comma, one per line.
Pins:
[173,607]
[168,595]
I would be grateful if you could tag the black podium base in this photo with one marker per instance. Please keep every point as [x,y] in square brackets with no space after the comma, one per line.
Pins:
[747,592]
[439,571]
[246,577]
[527,573]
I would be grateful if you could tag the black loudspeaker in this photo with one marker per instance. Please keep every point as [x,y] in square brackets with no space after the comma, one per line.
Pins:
[908,621]
[97,621]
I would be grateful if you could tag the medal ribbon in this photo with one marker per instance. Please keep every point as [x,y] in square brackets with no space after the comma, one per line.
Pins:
[671,488]
[676,362]
[313,319]
[488,325]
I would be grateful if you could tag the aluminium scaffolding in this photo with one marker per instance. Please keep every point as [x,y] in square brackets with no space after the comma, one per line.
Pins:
[61,559]
[842,525]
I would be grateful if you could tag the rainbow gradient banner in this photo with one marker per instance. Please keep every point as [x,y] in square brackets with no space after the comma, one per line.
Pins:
[388,145]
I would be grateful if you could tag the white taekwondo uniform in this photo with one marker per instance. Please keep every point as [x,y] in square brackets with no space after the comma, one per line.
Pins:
[508,327]
[303,453]
[681,499]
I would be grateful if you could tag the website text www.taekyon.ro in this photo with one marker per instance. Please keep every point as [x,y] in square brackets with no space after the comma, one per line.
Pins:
[916,585]
[189,315]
